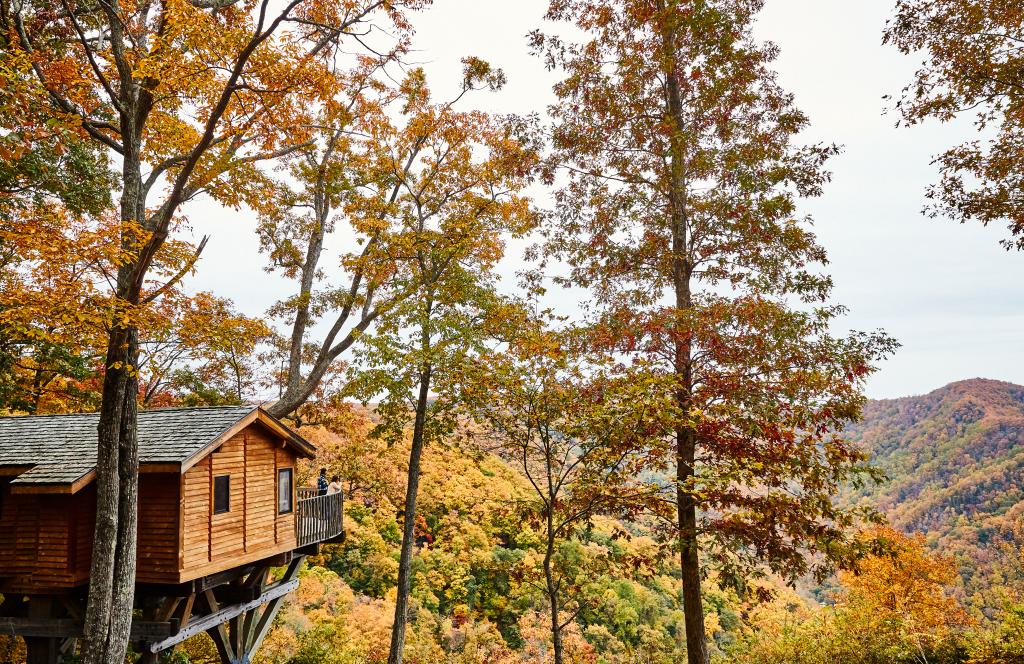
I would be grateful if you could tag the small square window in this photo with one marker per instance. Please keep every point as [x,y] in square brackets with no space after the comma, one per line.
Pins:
[284,491]
[221,494]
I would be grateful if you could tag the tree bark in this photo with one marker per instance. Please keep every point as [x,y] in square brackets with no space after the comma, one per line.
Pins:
[549,578]
[682,271]
[409,525]
[291,400]
[309,270]
[112,572]
[689,560]
[128,513]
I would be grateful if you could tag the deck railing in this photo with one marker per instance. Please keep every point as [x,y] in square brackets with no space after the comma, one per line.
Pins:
[319,518]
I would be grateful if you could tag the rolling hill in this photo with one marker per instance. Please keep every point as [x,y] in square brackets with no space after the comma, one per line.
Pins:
[955,464]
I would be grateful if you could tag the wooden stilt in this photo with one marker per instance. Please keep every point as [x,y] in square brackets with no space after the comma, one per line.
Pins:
[156,609]
[41,650]
[239,638]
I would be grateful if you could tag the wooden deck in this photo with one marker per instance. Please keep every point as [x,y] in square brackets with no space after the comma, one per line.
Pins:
[319,518]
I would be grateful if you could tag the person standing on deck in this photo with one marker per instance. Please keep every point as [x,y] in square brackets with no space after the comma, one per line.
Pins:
[321,483]
[335,485]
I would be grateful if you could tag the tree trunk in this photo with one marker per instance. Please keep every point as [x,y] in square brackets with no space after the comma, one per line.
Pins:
[302,313]
[549,578]
[689,560]
[682,271]
[112,573]
[409,525]
[128,512]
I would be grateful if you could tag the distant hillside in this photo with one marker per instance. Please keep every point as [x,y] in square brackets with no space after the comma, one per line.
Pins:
[955,461]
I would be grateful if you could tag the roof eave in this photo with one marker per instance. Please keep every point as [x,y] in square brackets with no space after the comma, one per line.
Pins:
[66,488]
[301,445]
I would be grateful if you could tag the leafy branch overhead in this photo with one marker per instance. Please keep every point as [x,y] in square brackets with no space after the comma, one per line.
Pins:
[973,60]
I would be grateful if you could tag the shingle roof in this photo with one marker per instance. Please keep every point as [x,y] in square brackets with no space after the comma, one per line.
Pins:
[62,448]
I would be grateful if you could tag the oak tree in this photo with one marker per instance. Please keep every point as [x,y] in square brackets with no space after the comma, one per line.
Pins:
[675,149]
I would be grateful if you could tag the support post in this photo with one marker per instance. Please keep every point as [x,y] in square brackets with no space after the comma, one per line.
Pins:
[41,650]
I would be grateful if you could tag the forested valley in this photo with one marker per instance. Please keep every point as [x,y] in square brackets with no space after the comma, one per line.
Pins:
[580,373]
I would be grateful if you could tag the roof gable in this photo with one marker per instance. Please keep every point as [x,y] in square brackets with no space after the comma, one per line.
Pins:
[261,417]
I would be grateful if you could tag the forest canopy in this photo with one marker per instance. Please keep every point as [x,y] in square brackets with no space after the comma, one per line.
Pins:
[683,467]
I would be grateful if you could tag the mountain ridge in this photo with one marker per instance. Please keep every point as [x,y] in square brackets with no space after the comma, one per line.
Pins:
[954,461]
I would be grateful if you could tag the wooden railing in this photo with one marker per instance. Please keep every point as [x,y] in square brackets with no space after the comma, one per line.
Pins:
[319,518]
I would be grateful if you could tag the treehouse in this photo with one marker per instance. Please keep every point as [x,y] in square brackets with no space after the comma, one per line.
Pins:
[218,511]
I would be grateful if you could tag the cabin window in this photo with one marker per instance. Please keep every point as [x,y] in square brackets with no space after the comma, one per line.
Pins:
[284,491]
[221,494]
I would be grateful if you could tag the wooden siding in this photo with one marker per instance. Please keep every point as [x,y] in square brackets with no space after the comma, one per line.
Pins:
[83,529]
[17,530]
[159,535]
[46,539]
[251,528]
[261,505]
[196,508]
[285,526]
[39,541]
[53,556]
[226,529]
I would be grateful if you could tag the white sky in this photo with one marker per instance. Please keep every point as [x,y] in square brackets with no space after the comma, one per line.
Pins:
[949,293]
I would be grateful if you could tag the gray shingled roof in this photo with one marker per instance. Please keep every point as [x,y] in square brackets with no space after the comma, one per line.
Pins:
[62,448]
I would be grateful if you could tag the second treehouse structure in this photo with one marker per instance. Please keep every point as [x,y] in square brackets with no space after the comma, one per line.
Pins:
[218,509]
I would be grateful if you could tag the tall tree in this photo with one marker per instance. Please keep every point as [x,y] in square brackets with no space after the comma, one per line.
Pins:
[447,196]
[973,67]
[187,96]
[349,185]
[674,145]
[578,438]
[331,186]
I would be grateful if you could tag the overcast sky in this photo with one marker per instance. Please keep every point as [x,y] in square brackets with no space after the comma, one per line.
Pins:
[948,292]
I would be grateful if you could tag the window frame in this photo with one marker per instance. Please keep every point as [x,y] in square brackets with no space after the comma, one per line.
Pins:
[226,478]
[291,490]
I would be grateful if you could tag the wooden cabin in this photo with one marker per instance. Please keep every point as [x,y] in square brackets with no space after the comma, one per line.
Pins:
[218,507]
